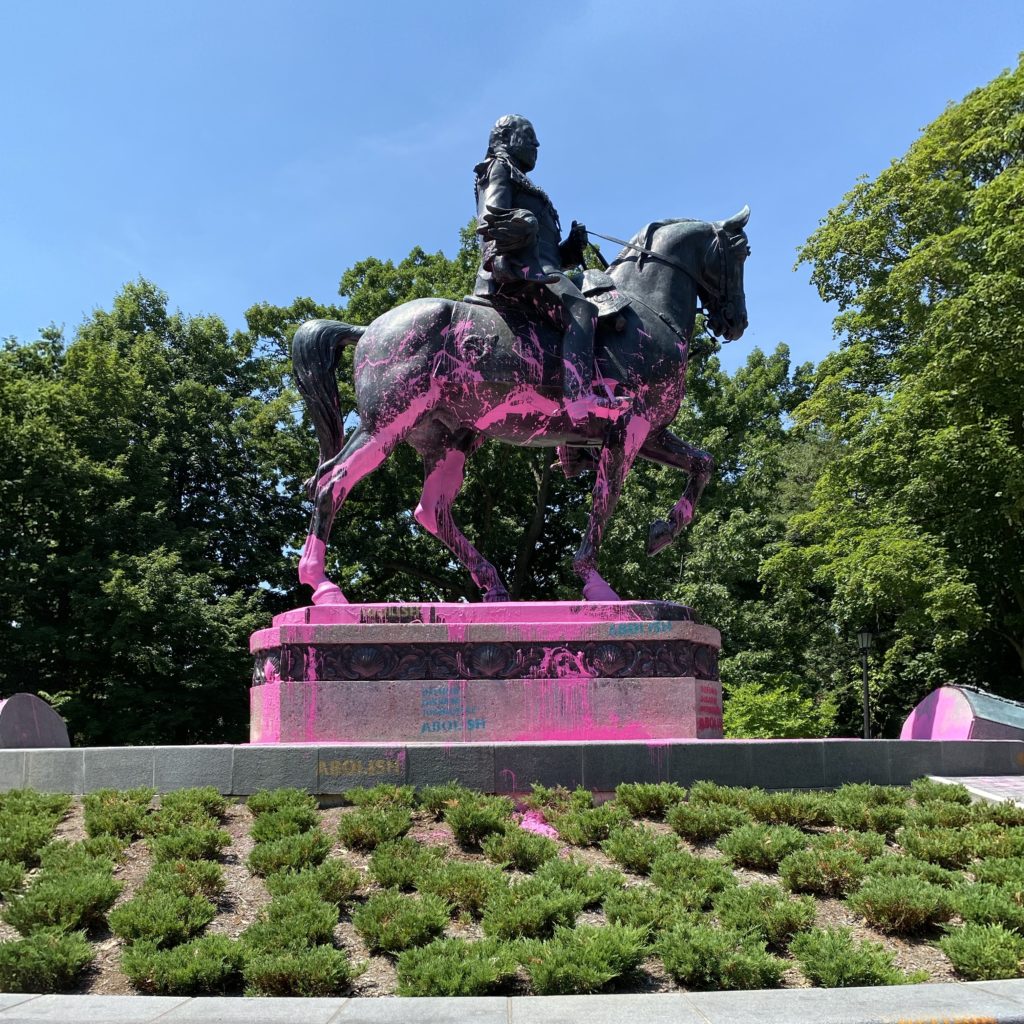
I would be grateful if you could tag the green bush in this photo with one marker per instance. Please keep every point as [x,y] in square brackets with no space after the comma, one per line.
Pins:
[766,911]
[465,887]
[883,817]
[899,866]
[557,799]
[297,920]
[761,847]
[288,821]
[678,871]
[455,967]
[1006,813]
[705,792]
[162,917]
[34,804]
[653,910]
[46,961]
[211,965]
[99,854]
[947,847]
[269,800]
[390,921]
[988,839]
[939,814]
[984,952]
[189,843]
[118,813]
[776,710]
[1008,871]
[636,848]
[648,799]
[866,844]
[69,902]
[188,877]
[985,903]
[801,810]
[832,958]
[530,909]
[583,826]
[23,836]
[401,863]
[925,790]
[333,881]
[386,794]
[593,884]
[871,795]
[437,799]
[823,872]
[519,849]
[12,875]
[318,971]
[584,959]
[473,819]
[366,828]
[293,853]
[902,906]
[198,800]
[703,958]
[700,822]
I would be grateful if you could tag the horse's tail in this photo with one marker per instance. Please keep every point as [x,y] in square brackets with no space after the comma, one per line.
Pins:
[316,350]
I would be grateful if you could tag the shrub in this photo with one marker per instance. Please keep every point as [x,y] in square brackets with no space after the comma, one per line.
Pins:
[582,826]
[701,822]
[47,961]
[473,819]
[269,800]
[732,796]
[832,958]
[866,844]
[897,866]
[198,800]
[287,821]
[592,884]
[390,921]
[703,958]
[871,795]
[318,971]
[465,887]
[1000,871]
[293,853]
[23,836]
[333,882]
[1006,813]
[761,847]
[636,848]
[885,818]
[206,966]
[925,790]
[648,799]
[97,854]
[119,813]
[984,903]
[679,870]
[801,810]
[366,828]
[437,799]
[297,920]
[765,910]
[519,849]
[947,847]
[69,902]
[584,959]
[188,877]
[557,799]
[162,917]
[189,843]
[902,906]
[455,967]
[984,952]
[384,795]
[401,863]
[530,909]
[823,872]
[990,840]
[938,814]
[34,804]
[653,910]
[11,877]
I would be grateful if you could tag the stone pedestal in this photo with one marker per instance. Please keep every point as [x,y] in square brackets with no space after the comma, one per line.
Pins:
[630,670]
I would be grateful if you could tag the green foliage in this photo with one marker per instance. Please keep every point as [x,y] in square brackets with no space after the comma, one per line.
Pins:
[437,799]
[391,921]
[34,804]
[648,799]
[636,848]
[1006,871]
[366,828]
[11,877]
[866,844]
[402,863]
[925,790]
[66,901]
[464,887]
[592,884]
[756,710]
[939,814]
[187,877]
[653,910]
[701,822]
[530,909]
[333,882]
[1005,813]
[267,801]
[680,870]
[287,821]
[900,867]
[984,952]
[988,839]
[761,847]
[22,837]
[824,872]
[583,826]
[801,810]
[97,854]
[832,958]
[557,799]
[903,905]
[385,794]
[884,817]
[118,813]
[584,959]
[197,800]
[519,849]
[455,967]
[947,847]
[705,792]
[292,853]
[317,971]
[703,958]
[766,911]
[211,965]
[985,903]
[474,818]
[49,960]
[162,917]
[189,842]
[297,920]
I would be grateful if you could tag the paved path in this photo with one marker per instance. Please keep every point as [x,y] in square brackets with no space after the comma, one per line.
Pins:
[990,1002]
[991,788]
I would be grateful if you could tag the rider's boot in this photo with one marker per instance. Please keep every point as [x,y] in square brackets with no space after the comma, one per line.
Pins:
[581,404]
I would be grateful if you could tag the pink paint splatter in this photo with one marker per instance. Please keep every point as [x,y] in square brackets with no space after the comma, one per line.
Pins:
[535,822]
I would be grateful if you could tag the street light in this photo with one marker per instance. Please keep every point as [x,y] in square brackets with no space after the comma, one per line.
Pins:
[864,645]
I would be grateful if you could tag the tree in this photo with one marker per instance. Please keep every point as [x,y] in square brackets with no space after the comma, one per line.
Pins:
[915,530]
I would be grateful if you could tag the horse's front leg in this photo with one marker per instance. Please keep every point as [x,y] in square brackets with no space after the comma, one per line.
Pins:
[624,442]
[668,450]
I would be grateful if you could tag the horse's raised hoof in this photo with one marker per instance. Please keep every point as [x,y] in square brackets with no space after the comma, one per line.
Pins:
[498,593]
[596,589]
[328,593]
[659,536]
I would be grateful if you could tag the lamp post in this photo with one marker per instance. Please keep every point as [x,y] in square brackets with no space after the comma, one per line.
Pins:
[864,645]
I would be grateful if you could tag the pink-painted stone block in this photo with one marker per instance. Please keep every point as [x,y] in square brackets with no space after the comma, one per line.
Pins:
[964,713]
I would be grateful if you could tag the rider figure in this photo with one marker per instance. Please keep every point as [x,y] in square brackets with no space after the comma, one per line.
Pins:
[521,245]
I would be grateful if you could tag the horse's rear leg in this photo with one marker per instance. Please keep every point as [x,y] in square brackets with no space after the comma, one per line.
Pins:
[444,462]
[668,450]
[362,454]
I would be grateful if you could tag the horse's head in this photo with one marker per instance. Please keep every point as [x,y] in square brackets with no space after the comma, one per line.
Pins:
[720,284]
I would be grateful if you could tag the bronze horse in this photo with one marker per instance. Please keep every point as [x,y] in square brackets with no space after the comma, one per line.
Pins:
[444,375]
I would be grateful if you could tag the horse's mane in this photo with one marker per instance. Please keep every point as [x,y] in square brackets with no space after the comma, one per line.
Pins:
[645,236]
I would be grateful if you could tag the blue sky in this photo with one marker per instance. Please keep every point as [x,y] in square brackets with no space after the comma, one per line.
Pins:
[242,152]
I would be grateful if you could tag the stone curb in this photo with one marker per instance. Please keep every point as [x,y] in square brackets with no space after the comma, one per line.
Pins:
[324,769]
[990,1002]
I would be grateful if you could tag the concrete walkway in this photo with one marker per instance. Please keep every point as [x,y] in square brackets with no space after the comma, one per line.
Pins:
[993,789]
[990,1002]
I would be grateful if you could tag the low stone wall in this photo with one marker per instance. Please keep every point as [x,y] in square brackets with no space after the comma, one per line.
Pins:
[507,767]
